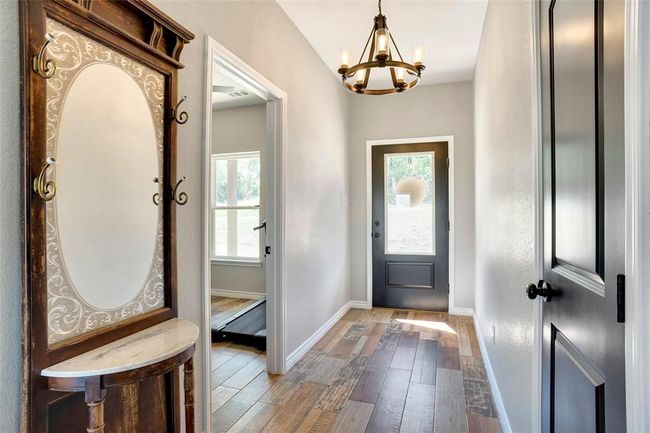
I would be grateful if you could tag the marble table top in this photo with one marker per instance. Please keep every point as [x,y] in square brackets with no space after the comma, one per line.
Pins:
[141,349]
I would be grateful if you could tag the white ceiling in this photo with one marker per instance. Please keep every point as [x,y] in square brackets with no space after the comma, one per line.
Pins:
[230,93]
[449,29]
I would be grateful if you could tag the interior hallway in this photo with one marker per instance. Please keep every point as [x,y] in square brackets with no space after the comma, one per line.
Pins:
[376,371]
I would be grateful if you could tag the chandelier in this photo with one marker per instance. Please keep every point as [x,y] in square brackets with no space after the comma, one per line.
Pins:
[404,76]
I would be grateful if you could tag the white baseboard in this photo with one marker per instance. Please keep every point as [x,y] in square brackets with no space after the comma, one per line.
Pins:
[460,311]
[316,336]
[496,394]
[362,305]
[236,294]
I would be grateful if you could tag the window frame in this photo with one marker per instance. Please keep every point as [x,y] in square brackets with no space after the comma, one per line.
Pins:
[233,260]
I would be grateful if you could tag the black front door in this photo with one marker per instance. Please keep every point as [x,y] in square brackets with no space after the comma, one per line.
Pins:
[410,235]
[583,137]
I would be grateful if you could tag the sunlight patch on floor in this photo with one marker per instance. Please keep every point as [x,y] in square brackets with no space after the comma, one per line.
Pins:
[438,326]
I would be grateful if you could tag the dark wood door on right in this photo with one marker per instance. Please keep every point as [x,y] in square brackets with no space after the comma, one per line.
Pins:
[583,365]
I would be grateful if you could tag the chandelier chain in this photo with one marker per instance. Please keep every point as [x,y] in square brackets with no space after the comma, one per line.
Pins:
[379,6]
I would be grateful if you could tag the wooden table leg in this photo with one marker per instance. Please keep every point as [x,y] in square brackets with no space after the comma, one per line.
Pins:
[189,395]
[94,397]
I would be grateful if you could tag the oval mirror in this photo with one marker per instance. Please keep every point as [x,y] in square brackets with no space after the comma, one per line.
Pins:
[107,159]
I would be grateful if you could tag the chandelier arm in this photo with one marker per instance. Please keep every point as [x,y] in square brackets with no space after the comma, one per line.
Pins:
[372,44]
[390,34]
[393,77]
[391,91]
[366,78]
[377,64]
[372,32]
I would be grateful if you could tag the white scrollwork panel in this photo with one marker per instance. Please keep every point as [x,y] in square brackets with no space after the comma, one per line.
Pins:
[104,234]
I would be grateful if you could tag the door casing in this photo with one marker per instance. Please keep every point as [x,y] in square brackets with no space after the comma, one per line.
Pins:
[276,120]
[449,139]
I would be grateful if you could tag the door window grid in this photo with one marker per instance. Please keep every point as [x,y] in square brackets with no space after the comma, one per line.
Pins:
[409,197]
[235,203]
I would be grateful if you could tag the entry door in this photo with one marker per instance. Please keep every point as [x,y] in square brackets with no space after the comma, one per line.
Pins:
[583,139]
[410,236]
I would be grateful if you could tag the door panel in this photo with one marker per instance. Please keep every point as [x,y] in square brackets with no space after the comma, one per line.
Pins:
[576,193]
[579,402]
[583,143]
[409,274]
[410,233]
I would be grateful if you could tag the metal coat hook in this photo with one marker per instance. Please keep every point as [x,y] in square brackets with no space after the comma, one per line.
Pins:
[44,188]
[182,117]
[156,196]
[179,198]
[42,66]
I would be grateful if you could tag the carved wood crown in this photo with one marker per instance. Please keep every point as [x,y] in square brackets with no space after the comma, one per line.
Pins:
[139,21]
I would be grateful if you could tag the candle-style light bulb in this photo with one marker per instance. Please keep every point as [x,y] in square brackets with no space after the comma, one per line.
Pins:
[418,54]
[361,76]
[400,73]
[381,44]
[345,57]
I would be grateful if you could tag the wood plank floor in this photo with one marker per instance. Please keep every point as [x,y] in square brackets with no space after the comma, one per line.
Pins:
[376,371]
[224,308]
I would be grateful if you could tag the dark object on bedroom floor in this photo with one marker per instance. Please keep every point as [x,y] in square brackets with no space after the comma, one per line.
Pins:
[248,328]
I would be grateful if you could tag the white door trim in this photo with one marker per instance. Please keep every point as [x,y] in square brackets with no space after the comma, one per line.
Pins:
[450,149]
[276,100]
[637,206]
[538,204]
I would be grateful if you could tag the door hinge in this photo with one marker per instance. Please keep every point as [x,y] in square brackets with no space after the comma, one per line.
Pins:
[447,162]
[448,225]
[620,298]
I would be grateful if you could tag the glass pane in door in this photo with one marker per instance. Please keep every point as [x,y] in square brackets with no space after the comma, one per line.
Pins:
[409,203]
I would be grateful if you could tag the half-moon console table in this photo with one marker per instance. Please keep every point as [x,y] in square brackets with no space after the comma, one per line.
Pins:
[151,352]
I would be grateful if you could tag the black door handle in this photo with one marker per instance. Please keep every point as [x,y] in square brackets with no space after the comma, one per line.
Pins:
[542,288]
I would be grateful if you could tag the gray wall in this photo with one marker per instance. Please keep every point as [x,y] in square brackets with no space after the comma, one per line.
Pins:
[241,129]
[425,111]
[316,158]
[10,284]
[504,194]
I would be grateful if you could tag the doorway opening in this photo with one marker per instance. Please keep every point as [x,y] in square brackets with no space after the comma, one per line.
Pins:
[243,225]
[410,214]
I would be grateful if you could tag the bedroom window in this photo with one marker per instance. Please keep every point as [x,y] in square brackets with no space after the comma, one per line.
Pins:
[235,203]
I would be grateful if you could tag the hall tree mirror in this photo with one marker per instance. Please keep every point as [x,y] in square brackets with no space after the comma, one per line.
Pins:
[103,346]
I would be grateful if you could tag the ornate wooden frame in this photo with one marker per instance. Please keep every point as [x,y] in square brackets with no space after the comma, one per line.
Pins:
[140,31]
